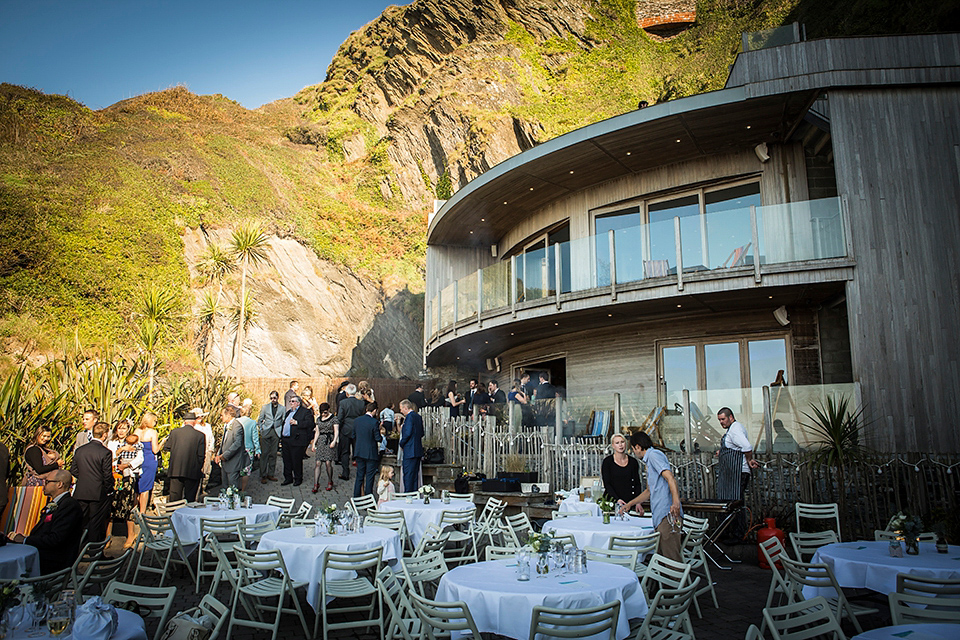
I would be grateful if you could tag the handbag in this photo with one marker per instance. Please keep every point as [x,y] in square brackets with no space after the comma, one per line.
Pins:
[183,626]
[433,455]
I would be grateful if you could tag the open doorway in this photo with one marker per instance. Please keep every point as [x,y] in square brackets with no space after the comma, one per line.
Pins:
[555,369]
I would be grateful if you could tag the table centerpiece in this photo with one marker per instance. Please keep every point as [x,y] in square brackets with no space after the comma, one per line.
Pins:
[909,527]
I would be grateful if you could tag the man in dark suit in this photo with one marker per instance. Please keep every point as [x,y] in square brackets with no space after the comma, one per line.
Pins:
[92,466]
[349,409]
[411,442]
[187,448]
[295,436]
[473,397]
[417,398]
[366,430]
[232,452]
[495,394]
[57,536]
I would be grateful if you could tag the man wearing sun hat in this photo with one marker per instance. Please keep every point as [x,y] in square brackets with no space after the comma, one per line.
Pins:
[204,427]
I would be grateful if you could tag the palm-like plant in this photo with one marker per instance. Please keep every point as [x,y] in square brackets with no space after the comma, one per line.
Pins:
[249,245]
[156,309]
[245,308]
[838,438]
[207,316]
[24,406]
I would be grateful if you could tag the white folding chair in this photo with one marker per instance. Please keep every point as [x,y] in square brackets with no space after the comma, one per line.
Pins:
[665,574]
[215,610]
[408,494]
[519,528]
[161,542]
[624,558]
[801,574]
[440,618]
[880,535]
[923,586]
[913,609]
[91,552]
[499,553]
[432,540]
[167,508]
[403,620]
[462,544]
[100,572]
[361,586]
[287,518]
[419,572]
[694,555]
[255,591]
[229,530]
[814,511]
[363,503]
[549,622]
[644,545]
[209,500]
[490,521]
[668,617]
[252,532]
[461,496]
[284,504]
[805,545]
[808,619]
[392,520]
[560,515]
[156,600]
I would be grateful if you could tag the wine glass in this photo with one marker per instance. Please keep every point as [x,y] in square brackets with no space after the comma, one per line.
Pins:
[58,618]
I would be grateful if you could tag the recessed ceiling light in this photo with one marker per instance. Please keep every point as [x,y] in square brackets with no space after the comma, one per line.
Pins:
[609,315]
[531,188]
[679,305]
[571,170]
[486,342]
[770,297]
[483,219]
[469,349]
[511,333]
[678,139]
[458,357]
[504,202]
[748,126]
[471,232]
[556,324]
[628,153]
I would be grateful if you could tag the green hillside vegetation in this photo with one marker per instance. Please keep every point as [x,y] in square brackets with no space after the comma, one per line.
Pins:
[92,205]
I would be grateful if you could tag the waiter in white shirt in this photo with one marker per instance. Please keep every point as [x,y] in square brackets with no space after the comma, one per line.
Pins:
[736,439]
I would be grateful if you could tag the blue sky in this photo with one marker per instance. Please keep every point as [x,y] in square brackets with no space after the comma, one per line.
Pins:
[102,51]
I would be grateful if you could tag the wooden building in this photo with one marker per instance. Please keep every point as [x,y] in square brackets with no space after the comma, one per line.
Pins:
[804,218]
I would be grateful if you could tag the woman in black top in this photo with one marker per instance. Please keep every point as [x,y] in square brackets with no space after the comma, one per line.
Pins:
[620,473]
[40,459]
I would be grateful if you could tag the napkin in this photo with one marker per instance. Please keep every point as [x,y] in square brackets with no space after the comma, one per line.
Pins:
[18,617]
[95,620]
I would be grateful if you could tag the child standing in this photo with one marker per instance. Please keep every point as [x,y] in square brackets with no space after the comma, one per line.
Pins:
[385,488]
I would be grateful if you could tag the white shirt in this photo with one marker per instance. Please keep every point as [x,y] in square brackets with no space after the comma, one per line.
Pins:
[737,439]
[207,432]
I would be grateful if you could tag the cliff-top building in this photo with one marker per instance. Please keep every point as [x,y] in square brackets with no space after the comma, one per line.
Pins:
[803,219]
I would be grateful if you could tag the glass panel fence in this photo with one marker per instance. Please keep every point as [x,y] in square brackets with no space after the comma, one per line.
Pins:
[629,245]
[496,285]
[729,239]
[435,314]
[532,278]
[791,407]
[446,306]
[583,267]
[588,415]
[810,230]
[467,297]
[663,249]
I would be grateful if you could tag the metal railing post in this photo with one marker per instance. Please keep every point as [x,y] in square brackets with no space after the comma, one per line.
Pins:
[679,248]
[556,270]
[456,303]
[479,298]
[617,423]
[687,422]
[613,265]
[768,419]
[558,421]
[513,285]
[756,243]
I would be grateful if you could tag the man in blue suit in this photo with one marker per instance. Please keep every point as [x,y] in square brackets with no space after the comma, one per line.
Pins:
[366,431]
[411,441]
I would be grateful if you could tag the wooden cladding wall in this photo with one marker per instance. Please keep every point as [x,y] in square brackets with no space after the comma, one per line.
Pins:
[897,155]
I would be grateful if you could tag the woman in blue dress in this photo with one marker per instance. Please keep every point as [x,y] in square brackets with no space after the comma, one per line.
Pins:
[151,446]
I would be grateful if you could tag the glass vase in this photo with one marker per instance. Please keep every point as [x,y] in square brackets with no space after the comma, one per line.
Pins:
[606,517]
[426,499]
[543,563]
[912,544]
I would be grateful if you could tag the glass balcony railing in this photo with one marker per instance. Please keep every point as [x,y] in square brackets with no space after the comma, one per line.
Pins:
[734,238]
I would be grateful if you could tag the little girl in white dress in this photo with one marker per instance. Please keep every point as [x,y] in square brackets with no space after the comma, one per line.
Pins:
[385,488]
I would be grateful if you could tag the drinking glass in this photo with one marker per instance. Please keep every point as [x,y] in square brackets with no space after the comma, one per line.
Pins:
[58,618]
[543,565]
[676,524]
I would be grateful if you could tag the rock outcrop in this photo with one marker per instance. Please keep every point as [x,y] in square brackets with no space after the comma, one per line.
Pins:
[311,315]
[437,79]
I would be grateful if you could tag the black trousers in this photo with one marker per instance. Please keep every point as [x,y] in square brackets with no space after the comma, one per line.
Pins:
[292,460]
[343,454]
[738,528]
[96,515]
[183,488]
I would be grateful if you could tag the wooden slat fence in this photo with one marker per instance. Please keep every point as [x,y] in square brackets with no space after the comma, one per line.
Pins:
[922,483]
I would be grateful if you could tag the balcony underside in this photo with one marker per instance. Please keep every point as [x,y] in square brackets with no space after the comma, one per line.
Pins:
[651,299]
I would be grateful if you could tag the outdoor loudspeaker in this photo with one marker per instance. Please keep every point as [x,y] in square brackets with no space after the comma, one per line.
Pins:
[780,313]
[493,364]
[493,250]
[761,151]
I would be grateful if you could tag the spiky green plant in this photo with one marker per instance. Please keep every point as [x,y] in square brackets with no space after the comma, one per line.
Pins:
[837,431]
[114,386]
[208,316]
[156,309]
[25,405]
[249,244]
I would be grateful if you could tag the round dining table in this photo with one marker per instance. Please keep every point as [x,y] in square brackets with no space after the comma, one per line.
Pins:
[130,626]
[504,605]
[18,559]
[590,531]
[868,565]
[419,516]
[573,504]
[302,552]
[186,520]
[932,631]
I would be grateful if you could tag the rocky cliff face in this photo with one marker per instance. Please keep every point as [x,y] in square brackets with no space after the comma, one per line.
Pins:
[311,316]
[436,78]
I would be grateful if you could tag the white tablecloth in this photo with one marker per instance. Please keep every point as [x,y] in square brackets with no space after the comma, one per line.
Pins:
[937,631]
[573,504]
[18,559]
[868,565]
[186,520]
[304,556]
[130,627]
[419,516]
[589,531]
[502,604]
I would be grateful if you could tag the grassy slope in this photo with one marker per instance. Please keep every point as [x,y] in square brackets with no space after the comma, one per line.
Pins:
[92,203]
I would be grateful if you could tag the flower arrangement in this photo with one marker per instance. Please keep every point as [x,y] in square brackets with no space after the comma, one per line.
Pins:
[330,510]
[427,490]
[540,541]
[906,524]
[231,497]
[606,503]
[9,596]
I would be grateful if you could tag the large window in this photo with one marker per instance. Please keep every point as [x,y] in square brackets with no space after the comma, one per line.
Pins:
[721,373]
[536,264]
[715,232]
